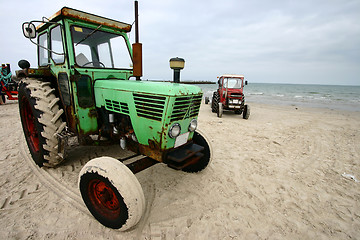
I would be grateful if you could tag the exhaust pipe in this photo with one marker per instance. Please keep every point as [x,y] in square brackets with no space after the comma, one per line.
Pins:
[137,47]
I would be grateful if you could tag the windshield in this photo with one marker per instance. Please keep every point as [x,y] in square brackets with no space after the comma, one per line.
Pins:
[232,82]
[98,49]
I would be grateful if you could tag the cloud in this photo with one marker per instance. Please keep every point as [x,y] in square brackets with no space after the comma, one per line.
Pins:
[268,41]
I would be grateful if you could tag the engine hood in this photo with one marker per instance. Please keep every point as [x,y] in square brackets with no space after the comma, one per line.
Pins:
[158,88]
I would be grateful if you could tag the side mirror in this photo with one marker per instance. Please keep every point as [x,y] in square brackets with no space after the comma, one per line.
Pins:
[245,82]
[29,30]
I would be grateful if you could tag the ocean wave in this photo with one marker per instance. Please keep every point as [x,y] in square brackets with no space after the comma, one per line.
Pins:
[338,97]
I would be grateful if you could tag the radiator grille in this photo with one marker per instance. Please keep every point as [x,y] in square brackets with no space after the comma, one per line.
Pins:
[186,107]
[116,106]
[239,95]
[149,106]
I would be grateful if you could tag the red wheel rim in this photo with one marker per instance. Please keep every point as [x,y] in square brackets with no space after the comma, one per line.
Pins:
[104,199]
[31,133]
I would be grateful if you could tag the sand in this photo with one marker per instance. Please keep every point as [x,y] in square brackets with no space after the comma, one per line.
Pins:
[285,173]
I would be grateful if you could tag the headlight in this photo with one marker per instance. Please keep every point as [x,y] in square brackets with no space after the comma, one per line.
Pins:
[193,125]
[175,130]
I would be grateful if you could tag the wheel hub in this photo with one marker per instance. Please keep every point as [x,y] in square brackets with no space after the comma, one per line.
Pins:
[104,199]
[31,132]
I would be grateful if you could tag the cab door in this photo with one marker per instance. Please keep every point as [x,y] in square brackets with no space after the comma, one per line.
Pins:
[58,63]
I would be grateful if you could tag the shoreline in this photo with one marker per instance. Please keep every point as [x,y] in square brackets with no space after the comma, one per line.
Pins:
[304,107]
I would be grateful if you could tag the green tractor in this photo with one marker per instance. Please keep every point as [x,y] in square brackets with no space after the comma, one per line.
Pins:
[88,85]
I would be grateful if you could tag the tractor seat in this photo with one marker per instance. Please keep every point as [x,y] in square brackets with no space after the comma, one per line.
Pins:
[81,60]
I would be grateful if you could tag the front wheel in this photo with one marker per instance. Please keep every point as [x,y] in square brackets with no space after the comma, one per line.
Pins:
[204,161]
[220,110]
[246,113]
[112,193]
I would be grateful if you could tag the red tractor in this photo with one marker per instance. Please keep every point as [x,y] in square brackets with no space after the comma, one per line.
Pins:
[8,86]
[230,96]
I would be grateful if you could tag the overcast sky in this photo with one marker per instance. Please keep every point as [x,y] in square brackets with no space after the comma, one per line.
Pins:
[278,41]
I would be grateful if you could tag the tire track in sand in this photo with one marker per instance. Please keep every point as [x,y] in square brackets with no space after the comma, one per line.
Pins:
[64,192]
[62,180]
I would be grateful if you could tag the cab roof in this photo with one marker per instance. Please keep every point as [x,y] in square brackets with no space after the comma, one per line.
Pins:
[78,15]
[232,76]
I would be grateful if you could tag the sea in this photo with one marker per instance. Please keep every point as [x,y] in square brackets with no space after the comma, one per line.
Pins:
[299,95]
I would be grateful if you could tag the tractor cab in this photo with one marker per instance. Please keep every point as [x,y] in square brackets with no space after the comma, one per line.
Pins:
[231,85]
[75,49]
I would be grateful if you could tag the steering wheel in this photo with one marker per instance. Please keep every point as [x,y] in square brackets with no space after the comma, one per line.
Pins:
[100,63]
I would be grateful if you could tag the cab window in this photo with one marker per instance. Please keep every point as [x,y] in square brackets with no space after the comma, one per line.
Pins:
[42,49]
[95,48]
[57,45]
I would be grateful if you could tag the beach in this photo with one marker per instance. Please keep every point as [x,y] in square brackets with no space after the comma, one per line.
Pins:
[288,172]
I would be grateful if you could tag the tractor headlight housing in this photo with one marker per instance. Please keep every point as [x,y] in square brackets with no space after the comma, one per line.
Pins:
[193,125]
[175,130]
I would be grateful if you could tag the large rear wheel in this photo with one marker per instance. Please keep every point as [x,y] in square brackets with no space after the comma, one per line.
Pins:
[215,102]
[112,193]
[41,121]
